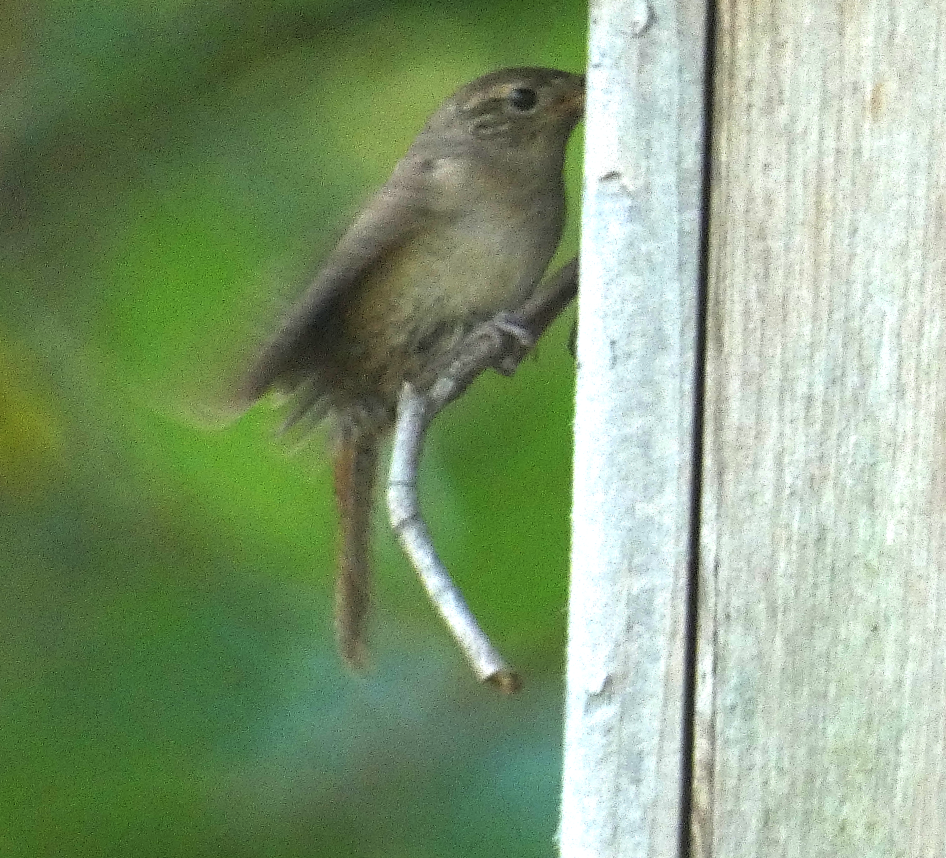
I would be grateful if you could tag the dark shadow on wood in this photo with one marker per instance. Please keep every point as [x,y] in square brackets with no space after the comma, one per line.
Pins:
[688,737]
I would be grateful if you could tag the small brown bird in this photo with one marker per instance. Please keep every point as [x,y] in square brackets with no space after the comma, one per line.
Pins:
[464,229]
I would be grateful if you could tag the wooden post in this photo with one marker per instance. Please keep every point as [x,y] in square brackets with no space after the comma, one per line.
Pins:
[819,707]
[634,470]
[821,727]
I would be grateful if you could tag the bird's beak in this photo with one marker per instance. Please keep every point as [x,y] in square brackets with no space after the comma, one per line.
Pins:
[573,99]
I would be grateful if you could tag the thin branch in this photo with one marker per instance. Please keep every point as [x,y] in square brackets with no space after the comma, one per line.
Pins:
[490,345]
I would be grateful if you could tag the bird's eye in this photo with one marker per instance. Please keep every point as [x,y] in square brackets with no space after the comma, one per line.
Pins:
[523,99]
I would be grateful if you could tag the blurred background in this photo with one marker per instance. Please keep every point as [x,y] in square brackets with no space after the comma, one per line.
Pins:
[168,679]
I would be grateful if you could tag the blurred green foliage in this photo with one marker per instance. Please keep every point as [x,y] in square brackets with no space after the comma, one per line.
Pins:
[168,682]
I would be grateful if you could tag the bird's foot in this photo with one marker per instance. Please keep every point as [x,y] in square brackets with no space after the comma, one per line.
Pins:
[513,341]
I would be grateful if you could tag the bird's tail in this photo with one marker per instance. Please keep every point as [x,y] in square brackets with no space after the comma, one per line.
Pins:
[356,460]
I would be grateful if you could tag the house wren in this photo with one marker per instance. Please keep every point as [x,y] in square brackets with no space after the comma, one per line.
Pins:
[463,230]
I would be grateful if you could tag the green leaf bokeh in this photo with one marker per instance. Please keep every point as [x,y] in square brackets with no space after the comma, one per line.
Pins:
[168,681]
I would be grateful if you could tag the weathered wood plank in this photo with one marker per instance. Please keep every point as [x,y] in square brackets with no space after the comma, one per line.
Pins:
[634,430]
[821,726]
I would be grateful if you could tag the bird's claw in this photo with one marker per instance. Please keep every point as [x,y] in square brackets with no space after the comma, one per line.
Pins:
[513,341]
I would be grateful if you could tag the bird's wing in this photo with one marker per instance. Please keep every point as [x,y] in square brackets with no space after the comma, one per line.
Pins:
[389,220]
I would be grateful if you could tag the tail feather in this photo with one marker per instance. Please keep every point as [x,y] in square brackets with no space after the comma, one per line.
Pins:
[356,459]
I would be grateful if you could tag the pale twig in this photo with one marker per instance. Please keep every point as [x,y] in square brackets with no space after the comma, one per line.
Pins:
[495,344]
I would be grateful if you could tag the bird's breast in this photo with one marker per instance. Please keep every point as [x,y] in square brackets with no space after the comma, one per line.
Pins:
[413,306]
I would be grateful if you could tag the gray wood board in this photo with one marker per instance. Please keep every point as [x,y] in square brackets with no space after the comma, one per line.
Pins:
[821,708]
[634,430]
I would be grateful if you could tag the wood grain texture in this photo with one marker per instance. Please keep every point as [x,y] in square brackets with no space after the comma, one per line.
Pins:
[634,430]
[821,709]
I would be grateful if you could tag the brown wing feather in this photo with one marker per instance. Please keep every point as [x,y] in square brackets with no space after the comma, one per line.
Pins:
[387,222]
